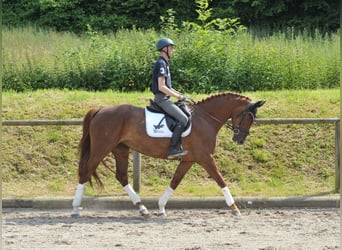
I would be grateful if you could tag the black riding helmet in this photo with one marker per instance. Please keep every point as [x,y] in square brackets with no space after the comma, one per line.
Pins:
[163,42]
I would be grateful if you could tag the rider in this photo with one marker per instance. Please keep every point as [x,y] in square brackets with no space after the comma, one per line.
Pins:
[163,91]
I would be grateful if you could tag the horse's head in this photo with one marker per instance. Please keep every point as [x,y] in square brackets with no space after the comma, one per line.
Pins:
[242,122]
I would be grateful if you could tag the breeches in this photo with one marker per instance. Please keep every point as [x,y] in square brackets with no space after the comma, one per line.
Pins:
[169,107]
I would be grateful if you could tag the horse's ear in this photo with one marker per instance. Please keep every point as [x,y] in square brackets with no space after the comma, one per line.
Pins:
[259,103]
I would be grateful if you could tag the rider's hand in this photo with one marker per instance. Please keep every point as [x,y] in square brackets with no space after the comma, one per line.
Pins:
[185,99]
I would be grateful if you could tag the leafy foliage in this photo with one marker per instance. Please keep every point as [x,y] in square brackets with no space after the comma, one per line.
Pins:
[111,15]
[212,54]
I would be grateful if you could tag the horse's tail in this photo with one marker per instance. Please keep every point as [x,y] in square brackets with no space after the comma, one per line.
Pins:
[84,151]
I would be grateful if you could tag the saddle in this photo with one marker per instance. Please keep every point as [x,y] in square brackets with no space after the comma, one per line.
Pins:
[160,124]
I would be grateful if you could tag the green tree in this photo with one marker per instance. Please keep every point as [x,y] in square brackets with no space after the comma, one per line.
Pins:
[279,15]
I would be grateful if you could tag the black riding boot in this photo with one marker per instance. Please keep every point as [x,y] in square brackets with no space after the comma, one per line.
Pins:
[176,149]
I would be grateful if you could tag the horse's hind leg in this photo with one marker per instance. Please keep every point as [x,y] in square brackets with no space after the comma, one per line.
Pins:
[84,176]
[121,153]
[92,164]
[76,203]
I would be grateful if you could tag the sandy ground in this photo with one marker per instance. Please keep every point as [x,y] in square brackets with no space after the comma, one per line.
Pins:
[181,229]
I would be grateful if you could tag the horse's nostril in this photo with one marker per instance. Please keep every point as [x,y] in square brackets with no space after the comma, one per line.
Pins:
[238,140]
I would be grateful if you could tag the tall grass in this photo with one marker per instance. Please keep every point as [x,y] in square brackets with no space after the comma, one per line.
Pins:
[204,61]
[32,44]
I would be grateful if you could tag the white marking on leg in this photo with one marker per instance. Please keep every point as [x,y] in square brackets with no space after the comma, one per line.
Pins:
[135,199]
[227,195]
[132,194]
[163,200]
[77,199]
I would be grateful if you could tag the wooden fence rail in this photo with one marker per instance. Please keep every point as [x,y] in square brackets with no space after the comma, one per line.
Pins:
[137,157]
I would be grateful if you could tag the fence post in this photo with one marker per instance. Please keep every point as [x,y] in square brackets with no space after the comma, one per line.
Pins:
[136,171]
[337,157]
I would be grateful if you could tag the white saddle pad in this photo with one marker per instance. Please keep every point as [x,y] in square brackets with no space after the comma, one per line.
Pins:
[155,119]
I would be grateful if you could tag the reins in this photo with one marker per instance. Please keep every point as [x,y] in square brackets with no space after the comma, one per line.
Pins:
[208,114]
[218,120]
[192,102]
[236,129]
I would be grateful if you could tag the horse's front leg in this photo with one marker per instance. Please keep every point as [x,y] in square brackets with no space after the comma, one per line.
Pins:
[230,201]
[213,171]
[121,153]
[181,170]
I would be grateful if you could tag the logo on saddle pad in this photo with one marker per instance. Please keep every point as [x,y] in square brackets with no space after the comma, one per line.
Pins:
[156,125]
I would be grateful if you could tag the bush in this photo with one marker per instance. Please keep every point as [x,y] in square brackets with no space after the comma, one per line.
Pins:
[215,55]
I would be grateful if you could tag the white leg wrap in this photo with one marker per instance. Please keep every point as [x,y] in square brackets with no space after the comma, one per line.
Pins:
[132,194]
[77,200]
[165,197]
[78,195]
[228,196]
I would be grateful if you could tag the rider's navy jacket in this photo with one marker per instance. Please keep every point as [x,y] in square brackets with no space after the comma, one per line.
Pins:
[161,68]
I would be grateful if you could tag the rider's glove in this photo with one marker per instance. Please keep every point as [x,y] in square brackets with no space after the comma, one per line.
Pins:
[185,99]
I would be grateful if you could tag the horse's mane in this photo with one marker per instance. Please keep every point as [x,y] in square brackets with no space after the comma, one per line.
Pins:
[229,94]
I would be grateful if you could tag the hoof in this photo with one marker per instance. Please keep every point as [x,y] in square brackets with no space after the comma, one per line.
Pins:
[236,213]
[235,210]
[75,212]
[75,215]
[160,214]
[144,212]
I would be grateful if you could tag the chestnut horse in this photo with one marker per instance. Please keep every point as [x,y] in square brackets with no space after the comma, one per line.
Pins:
[118,129]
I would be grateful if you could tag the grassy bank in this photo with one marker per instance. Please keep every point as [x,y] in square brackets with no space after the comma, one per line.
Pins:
[276,160]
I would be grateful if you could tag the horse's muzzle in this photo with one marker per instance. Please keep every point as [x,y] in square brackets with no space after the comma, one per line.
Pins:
[238,139]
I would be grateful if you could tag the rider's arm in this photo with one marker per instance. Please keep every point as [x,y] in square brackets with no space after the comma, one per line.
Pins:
[164,89]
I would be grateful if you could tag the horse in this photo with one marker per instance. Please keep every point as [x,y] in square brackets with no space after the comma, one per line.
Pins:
[117,129]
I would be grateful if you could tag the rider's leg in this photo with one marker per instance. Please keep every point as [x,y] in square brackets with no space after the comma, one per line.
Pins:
[176,149]
[173,110]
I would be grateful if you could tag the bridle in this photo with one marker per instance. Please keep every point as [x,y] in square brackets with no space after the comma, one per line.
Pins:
[237,129]
[251,111]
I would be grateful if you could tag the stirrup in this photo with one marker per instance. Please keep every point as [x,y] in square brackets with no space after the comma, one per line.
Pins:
[177,154]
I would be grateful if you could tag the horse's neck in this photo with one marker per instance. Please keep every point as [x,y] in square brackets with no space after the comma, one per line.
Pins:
[222,108]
